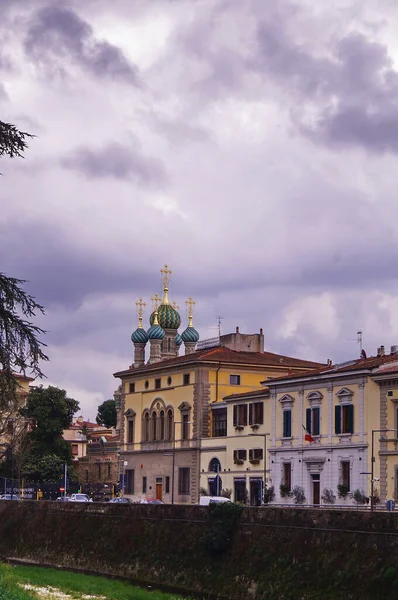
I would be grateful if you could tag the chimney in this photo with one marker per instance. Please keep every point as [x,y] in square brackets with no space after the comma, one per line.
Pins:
[380,351]
[394,350]
[237,330]
[329,362]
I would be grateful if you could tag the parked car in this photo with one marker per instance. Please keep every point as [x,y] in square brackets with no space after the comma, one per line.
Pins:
[9,497]
[120,501]
[206,500]
[80,498]
[150,501]
[63,499]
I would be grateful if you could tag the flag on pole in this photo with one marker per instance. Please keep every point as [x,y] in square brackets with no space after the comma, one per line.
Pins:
[308,437]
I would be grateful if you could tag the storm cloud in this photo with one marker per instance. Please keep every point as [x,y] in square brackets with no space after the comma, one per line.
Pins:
[249,145]
[56,35]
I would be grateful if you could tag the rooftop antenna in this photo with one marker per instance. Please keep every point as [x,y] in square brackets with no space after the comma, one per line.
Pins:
[219,325]
[359,340]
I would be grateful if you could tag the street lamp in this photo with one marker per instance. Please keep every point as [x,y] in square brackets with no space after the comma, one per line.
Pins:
[174,454]
[264,435]
[372,479]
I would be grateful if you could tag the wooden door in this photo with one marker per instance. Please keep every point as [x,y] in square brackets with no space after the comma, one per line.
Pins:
[159,491]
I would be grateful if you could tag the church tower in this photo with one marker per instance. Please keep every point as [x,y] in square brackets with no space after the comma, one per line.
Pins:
[190,336]
[139,337]
[169,320]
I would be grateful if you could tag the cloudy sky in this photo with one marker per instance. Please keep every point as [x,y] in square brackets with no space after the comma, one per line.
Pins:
[251,145]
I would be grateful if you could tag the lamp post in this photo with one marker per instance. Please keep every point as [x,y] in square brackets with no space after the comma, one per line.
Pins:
[174,454]
[264,435]
[373,462]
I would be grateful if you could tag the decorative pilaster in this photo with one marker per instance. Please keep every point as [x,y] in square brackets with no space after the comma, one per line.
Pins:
[301,413]
[361,388]
[330,412]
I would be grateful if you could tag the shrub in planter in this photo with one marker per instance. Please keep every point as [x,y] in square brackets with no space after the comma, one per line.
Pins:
[359,496]
[298,494]
[284,491]
[203,491]
[269,495]
[328,497]
[226,493]
[342,490]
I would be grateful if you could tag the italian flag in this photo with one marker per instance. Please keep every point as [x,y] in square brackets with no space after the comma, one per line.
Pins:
[308,437]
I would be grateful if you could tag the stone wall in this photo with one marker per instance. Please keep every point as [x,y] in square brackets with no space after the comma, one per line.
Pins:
[274,553]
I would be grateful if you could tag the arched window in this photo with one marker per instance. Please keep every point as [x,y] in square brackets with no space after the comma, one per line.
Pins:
[168,344]
[169,424]
[215,465]
[146,427]
[154,425]
[162,425]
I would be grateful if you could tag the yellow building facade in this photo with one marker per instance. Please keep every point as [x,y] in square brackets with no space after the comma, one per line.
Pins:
[166,403]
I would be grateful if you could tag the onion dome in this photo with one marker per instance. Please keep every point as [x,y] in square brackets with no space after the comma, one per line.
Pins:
[168,316]
[178,340]
[155,332]
[139,336]
[190,335]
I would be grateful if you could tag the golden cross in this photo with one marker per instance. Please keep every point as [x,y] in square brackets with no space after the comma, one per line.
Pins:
[165,273]
[140,304]
[175,305]
[156,301]
[190,304]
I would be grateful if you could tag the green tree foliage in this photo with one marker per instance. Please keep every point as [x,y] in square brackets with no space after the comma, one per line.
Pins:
[12,140]
[107,414]
[52,412]
[49,468]
[20,347]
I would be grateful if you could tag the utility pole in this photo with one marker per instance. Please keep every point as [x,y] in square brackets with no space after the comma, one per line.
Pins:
[65,478]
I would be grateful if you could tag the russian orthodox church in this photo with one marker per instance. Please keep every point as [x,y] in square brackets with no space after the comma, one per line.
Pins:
[162,336]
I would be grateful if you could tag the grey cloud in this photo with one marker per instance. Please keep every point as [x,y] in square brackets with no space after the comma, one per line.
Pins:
[118,161]
[56,34]
[355,90]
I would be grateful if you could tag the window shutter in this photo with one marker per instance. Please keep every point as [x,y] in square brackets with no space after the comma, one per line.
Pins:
[261,413]
[251,454]
[308,420]
[350,418]
[337,419]
[289,423]
[244,454]
[235,454]
[316,429]
[251,414]
[235,415]
[245,414]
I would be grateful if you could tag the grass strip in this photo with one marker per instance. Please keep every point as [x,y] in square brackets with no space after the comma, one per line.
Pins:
[79,585]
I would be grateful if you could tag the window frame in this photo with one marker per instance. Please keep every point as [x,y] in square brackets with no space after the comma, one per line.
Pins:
[234,379]
[132,387]
[184,481]
[287,475]
[344,415]
[254,418]
[158,383]
[313,420]
[240,415]
[186,379]
[219,422]
[345,477]
[287,423]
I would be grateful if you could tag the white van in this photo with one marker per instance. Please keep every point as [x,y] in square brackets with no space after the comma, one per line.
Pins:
[206,500]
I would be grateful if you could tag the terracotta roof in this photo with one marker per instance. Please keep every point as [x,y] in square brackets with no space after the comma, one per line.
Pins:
[222,354]
[361,364]
[261,391]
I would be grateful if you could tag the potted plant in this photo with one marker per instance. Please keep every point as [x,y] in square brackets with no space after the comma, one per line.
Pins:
[284,491]
[269,495]
[238,461]
[255,426]
[342,490]
[328,497]
[359,496]
[298,494]
[238,427]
